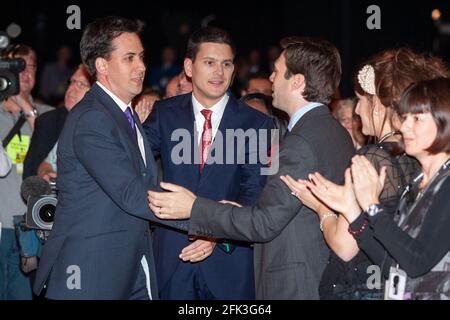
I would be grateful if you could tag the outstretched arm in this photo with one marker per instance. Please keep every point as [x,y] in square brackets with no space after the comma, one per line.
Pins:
[261,223]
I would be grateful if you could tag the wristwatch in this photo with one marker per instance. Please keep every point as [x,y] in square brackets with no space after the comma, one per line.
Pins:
[374,209]
[31,114]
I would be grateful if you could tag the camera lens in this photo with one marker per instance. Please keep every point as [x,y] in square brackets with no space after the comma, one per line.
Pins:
[4,83]
[47,212]
[43,212]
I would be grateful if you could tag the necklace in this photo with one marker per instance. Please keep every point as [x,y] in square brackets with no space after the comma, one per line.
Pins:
[442,170]
[387,136]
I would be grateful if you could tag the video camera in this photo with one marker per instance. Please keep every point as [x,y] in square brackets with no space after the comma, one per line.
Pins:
[33,228]
[41,200]
[9,66]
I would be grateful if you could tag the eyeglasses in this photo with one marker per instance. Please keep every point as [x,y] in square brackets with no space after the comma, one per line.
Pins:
[79,84]
[30,67]
[23,51]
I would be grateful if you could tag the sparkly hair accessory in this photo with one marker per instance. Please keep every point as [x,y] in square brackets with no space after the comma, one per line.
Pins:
[366,79]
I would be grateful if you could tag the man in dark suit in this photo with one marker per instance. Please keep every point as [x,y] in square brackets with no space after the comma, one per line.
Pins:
[100,245]
[226,271]
[48,126]
[292,255]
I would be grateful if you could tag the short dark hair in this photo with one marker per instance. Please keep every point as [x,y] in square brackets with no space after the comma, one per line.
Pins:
[208,34]
[98,37]
[254,76]
[318,61]
[431,96]
[22,50]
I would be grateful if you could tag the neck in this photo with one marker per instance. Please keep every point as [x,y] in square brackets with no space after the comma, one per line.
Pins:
[205,102]
[294,107]
[388,134]
[107,84]
[431,164]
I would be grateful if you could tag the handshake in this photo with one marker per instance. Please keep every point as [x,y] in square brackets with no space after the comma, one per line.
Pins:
[175,204]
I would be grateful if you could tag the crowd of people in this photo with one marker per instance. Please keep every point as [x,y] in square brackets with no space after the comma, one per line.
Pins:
[360,187]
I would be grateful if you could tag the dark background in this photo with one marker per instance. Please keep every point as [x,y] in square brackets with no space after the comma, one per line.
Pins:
[253,24]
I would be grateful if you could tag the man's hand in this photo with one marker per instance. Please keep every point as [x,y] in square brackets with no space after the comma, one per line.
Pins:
[198,250]
[144,107]
[22,101]
[46,172]
[49,176]
[171,205]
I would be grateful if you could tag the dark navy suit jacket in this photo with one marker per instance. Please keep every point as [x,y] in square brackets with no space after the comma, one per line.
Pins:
[101,224]
[227,275]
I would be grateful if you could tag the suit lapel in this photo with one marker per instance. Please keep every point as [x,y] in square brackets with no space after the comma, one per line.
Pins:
[151,164]
[124,126]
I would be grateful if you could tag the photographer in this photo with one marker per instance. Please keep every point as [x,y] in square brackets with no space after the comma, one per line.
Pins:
[41,156]
[15,285]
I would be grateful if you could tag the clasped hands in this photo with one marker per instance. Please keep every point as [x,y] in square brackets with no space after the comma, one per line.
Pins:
[362,187]
[177,204]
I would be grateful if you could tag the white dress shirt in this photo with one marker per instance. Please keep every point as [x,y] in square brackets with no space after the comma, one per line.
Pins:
[216,116]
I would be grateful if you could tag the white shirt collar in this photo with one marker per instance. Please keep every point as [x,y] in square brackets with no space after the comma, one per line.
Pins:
[217,109]
[122,105]
[216,117]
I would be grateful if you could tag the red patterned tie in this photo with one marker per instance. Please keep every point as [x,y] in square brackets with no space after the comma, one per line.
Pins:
[206,136]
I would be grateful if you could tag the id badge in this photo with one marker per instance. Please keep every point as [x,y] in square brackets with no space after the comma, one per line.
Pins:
[395,286]
[17,150]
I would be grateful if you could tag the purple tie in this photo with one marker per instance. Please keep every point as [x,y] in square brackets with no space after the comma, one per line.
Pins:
[130,119]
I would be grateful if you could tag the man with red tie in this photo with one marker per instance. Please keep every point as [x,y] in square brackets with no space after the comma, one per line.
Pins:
[197,268]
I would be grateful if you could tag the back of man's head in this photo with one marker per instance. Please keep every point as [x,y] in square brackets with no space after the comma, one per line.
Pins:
[318,61]
[97,39]
[208,34]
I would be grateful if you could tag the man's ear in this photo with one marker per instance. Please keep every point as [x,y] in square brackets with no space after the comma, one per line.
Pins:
[101,65]
[298,82]
[188,67]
